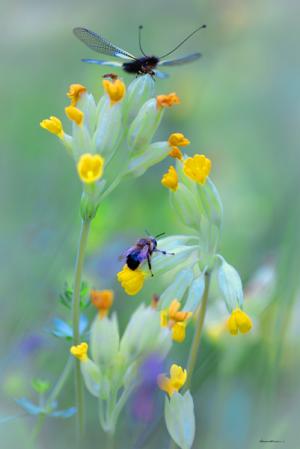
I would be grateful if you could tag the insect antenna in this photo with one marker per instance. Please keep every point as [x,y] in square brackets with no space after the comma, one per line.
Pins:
[182,42]
[160,235]
[140,40]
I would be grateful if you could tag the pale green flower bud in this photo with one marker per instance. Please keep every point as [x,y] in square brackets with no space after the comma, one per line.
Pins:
[144,335]
[180,419]
[108,129]
[151,155]
[177,288]
[185,203]
[91,375]
[144,126]
[104,340]
[138,92]
[230,285]
[195,294]
[88,106]
[182,256]
[82,141]
[211,202]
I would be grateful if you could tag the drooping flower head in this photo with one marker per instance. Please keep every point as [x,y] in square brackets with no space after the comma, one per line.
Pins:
[239,321]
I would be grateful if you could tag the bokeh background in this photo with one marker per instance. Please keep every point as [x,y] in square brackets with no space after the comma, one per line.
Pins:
[240,105]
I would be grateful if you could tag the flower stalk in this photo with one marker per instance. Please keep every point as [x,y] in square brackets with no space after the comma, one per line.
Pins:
[79,392]
[192,359]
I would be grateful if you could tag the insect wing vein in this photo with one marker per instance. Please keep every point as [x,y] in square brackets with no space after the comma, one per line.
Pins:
[99,44]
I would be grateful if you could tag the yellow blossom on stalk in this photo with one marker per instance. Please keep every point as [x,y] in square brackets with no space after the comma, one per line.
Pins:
[170,179]
[75,92]
[90,167]
[175,320]
[115,89]
[178,140]
[131,280]
[176,153]
[173,383]
[197,168]
[239,321]
[53,125]
[80,351]
[166,101]
[74,114]
[102,300]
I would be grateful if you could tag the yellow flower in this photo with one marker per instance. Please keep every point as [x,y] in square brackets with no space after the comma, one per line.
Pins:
[74,114]
[80,351]
[102,300]
[166,101]
[176,153]
[131,280]
[176,320]
[178,332]
[90,167]
[170,179]
[178,140]
[115,89]
[75,92]
[197,168]
[239,321]
[53,125]
[176,381]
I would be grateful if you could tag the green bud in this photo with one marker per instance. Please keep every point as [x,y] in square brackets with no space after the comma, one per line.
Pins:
[104,340]
[138,92]
[180,419]
[177,288]
[184,202]
[144,126]
[211,202]
[182,256]
[230,285]
[108,129]
[88,106]
[91,375]
[81,142]
[151,155]
[144,335]
[195,294]
[40,386]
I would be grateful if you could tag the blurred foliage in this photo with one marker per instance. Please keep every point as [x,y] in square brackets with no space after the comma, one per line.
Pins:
[239,106]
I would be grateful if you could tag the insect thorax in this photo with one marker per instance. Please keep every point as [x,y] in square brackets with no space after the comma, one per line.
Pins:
[142,65]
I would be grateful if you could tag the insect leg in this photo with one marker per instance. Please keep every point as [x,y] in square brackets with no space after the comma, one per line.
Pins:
[149,264]
[164,252]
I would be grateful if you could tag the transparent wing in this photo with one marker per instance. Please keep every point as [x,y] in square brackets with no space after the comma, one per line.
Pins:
[161,75]
[100,62]
[186,59]
[100,44]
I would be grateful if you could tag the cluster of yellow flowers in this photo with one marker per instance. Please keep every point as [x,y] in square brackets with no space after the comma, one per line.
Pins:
[175,320]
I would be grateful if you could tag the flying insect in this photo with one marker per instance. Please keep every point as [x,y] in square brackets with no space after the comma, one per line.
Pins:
[139,66]
[143,250]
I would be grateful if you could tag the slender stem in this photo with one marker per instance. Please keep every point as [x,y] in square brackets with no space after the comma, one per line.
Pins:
[60,382]
[75,324]
[192,359]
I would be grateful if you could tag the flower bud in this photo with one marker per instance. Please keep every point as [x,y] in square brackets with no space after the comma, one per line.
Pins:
[177,288]
[151,155]
[144,126]
[230,285]
[143,335]
[87,105]
[180,419]
[139,91]
[211,202]
[195,293]
[182,256]
[185,204]
[104,340]
[108,129]
[91,375]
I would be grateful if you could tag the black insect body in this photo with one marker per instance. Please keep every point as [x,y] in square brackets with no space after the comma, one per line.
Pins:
[138,66]
[141,251]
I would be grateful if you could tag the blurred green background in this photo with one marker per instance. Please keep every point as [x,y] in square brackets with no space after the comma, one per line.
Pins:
[240,106]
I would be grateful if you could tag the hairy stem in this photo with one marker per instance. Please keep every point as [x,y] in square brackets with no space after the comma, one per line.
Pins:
[79,392]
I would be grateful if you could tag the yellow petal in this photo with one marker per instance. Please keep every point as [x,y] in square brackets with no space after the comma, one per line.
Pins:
[131,280]
[170,179]
[115,89]
[178,332]
[197,168]
[80,351]
[178,140]
[90,167]
[74,114]
[53,125]
[166,101]
[102,300]
[75,92]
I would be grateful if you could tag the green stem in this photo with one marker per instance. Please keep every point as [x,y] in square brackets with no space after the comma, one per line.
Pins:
[79,392]
[192,359]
